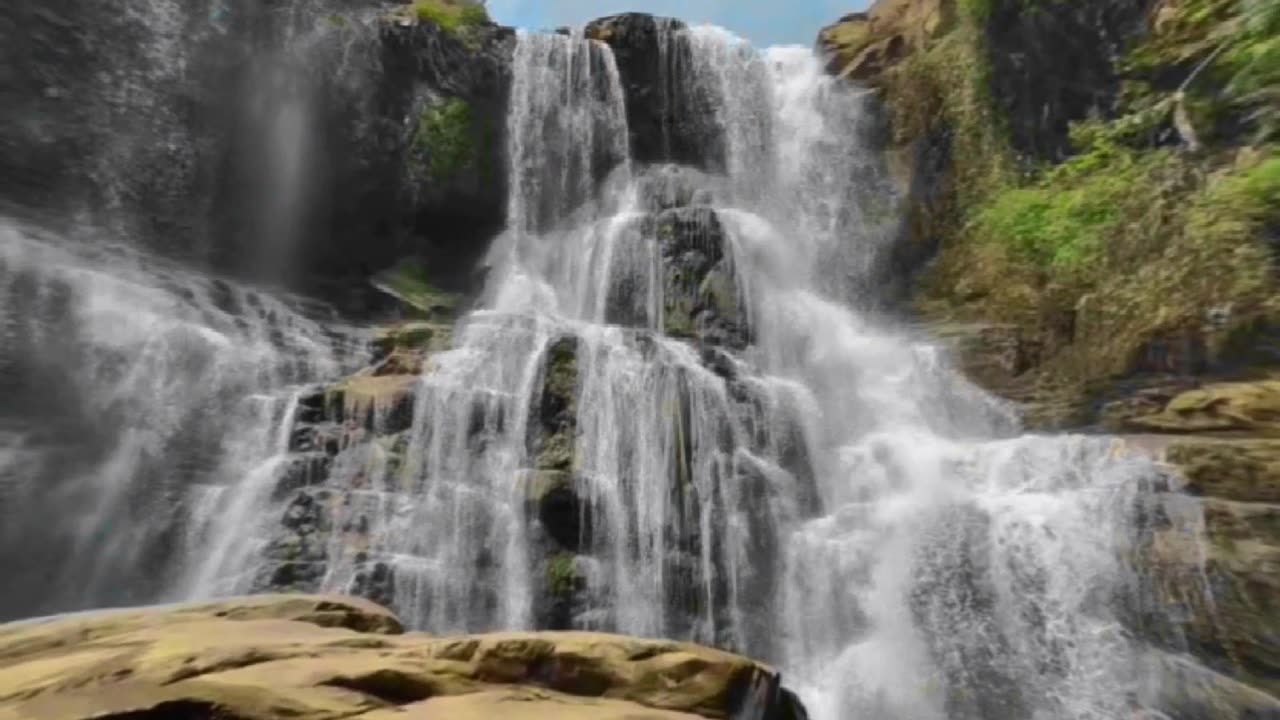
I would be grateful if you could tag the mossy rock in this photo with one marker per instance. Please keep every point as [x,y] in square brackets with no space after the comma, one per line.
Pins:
[1217,595]
[1239,470]
[456,17]
[448,142]
[1237,408]
[557,451]
[408,281]
[552,496]
[562,577]
[553,419]
[421,336]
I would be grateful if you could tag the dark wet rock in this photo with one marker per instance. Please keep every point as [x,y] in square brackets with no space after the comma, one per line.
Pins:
[1214,593]
[552,497]
[669,114]
[700,293]
[151,124]
[302,471]
[554,415]
[375,581]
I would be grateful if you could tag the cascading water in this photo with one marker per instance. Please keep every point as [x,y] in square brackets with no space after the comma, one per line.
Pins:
[675,412]
[675,415]
[133,387]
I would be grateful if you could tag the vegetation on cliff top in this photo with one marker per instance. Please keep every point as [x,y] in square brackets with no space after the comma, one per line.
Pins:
[452,16]
[1158,224]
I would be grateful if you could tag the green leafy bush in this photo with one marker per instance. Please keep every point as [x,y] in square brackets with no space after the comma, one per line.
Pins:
[1070,214]
[445,141]
[452,16]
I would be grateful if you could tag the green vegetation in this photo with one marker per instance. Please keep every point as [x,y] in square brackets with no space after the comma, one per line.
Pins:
[562,577]
[1065,218]
[1228,52]
[445,143]
[1161,215]
[455,17]
[409,282]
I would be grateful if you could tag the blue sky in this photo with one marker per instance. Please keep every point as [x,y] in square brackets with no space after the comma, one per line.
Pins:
[763,22]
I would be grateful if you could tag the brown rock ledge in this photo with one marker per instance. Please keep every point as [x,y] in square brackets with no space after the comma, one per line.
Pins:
[325,658]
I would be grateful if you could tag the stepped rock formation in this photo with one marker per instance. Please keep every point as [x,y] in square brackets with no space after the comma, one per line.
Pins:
[313,658]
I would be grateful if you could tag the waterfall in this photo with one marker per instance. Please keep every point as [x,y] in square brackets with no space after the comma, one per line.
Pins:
[679,409]
[133,389]
[679,412]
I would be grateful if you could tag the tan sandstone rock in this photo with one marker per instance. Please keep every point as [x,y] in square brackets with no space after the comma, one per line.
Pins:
[327,658]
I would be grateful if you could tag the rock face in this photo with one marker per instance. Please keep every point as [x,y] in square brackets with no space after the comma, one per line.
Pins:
[670,110]
[330,657]
[386,140]
[861,46]
[991,104]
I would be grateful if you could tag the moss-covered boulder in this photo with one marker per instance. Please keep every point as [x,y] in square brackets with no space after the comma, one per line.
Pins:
[323,658]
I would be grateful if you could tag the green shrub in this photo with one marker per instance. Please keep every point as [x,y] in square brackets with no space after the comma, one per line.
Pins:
[444,144]
[452,16]
[409,281]
[562,578]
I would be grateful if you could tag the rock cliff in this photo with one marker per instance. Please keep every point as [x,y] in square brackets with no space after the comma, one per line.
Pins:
[153,126]
[1093,193]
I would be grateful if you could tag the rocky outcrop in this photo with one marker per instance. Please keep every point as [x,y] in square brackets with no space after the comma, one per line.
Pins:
[322,658]
[862,46]
[1239,408]
[311,144]
[670,109]
[1214,594]
[1006,120]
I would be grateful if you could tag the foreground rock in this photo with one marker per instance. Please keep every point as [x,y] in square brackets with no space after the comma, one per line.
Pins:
[331,657]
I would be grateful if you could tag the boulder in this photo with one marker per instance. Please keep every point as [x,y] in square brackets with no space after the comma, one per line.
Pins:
[321,658]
